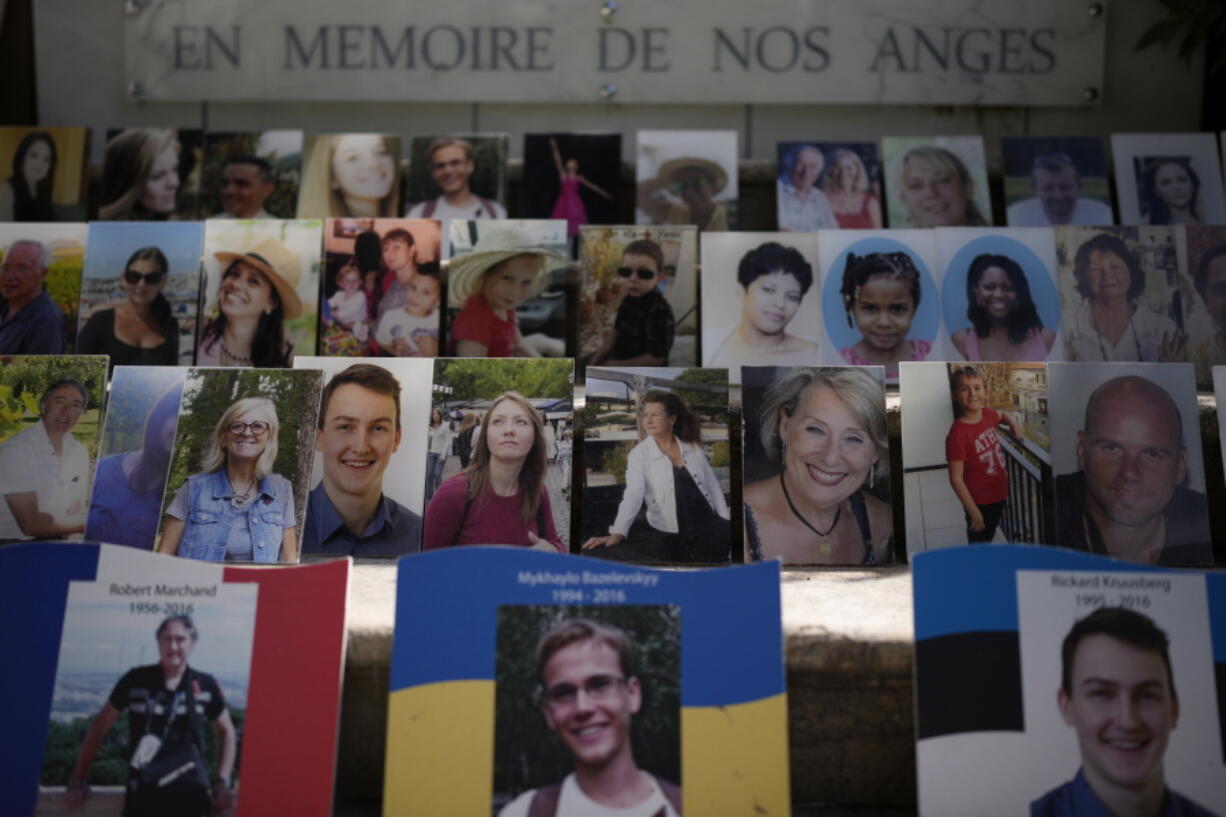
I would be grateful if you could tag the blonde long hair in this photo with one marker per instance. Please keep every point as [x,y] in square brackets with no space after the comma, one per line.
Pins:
[319,199]
[214,456]
[531,473]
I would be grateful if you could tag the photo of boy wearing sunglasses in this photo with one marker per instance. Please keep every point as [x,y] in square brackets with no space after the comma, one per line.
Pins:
[642,333]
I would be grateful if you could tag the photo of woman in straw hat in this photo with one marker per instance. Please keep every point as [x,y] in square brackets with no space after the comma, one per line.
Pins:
[502,282]
[687,177]
[260,292]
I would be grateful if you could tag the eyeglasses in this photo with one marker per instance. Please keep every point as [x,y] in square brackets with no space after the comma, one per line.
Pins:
[597,688]
[151,278]
[258,427]
[642,272]
[20,269]
[452,163]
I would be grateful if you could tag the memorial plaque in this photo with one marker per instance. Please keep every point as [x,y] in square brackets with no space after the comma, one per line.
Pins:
[985,52]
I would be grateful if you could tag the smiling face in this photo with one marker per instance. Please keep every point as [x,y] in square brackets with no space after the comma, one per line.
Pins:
[163,183]
[510,432]
[970,393]
[934,196]
[244,189]
[37,163]
[508,284]
[693,185]
[143,292]
[828,450]
[1108,275]
[175,645]
[22,274]
[397,254]
[806,170]
[1057,190]
[1123,709]
[1173,185]
[349,279]
[357,441]
[451,166]
[422,297]
[847,172]
[995,293]
[362,166]
[883,311]
[1131,454]
[636,286]
[62,409]
[594,725]
[657,422]
[246,292]
[247,444]
[770,301]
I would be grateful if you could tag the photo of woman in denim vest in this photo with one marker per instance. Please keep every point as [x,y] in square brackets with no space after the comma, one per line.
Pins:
[235,509]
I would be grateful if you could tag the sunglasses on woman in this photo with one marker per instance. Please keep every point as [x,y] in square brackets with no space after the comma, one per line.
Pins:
[151,278]
[642,272]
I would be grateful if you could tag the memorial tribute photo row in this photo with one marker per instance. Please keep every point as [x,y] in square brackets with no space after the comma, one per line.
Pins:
[384,457]
[262,292]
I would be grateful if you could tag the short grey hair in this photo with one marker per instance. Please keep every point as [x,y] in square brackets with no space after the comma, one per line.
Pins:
[44,252]
[863,394]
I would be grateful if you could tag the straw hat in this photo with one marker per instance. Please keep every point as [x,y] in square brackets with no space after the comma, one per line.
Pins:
[278,264]
[497,242]
[674,166]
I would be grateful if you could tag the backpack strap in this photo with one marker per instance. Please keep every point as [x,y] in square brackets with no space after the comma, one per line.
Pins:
[489,207]
[545,801]
[428,210]
[672,792]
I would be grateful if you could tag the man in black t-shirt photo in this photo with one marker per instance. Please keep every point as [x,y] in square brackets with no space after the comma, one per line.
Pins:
[167,704]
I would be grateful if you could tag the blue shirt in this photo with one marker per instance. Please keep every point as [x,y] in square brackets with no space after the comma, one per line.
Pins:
[393,531]
[1076,799]
[117,514]
[216,528]
[36,329]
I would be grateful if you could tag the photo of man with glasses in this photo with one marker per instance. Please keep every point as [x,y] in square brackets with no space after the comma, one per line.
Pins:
[642,334]
[589,692]
[30,323]
[451,166]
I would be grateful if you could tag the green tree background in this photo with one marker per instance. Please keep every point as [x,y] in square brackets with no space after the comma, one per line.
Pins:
[286,174]
[485,379]
[528,755]
[487,180]
[209,392]
[63,284]
[24,379]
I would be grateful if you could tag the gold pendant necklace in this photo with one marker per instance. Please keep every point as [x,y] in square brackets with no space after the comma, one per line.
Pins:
[824,546]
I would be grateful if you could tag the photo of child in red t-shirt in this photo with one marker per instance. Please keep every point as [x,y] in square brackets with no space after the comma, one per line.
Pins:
[976,460]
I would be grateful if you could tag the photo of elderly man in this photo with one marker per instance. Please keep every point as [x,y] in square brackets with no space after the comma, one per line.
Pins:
[40,282]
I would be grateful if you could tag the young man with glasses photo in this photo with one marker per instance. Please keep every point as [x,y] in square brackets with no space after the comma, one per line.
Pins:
[642,334]
[451,167]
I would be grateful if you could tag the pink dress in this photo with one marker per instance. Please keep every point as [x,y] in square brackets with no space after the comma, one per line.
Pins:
[570,206]
[1036,349]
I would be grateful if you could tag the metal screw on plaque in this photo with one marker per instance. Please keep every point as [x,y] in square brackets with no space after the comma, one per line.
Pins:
[1090,94]
[136,88]
[607,10]
[1095,9]
[608,91]
[131,7]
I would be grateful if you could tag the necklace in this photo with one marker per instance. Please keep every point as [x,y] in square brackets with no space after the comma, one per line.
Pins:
[240,500]
[824,547]
[232,356]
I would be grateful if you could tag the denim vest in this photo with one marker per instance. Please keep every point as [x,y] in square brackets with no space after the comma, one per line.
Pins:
[210,516]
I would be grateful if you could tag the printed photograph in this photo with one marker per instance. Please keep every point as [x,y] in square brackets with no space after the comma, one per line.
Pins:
[1124,296]
[759,301]
[638,296]
[251,175]
[507,289]
[139,293]
[382,287]
[998,293]
[687,177]
[588,710]
[260,292]
[936,181]
[880,301]
[1054,180]
[46,180]
[40,287]
[1126,453]
[500,445]
[151,174]
[988,480]
[369,473]
[657,465]
[350,175]
[138,435]
[458,176]
[50,422]
[1168,178]
[816,460]
[573,176]
[827,186]
[150,701]
[1203,249]
[241,465]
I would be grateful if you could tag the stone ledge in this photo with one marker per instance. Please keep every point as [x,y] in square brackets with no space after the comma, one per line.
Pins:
[848,636]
